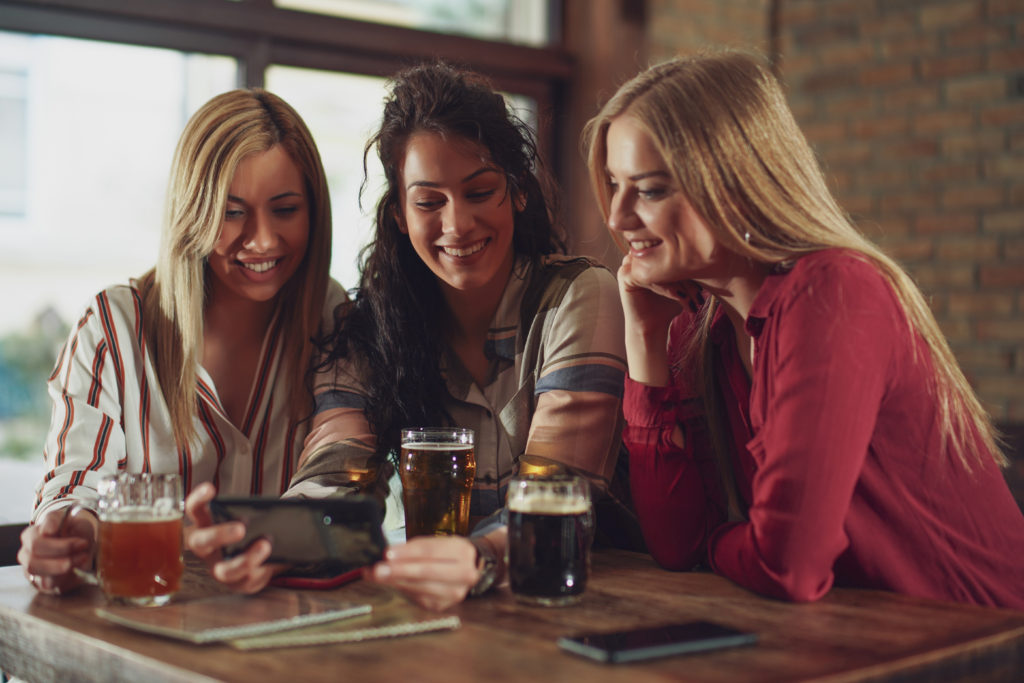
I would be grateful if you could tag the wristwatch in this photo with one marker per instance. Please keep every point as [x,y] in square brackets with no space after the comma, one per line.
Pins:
[486,565]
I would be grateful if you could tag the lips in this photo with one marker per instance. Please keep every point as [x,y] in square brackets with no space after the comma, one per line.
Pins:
[462,252]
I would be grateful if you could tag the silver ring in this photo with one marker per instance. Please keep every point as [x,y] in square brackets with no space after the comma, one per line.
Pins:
[34,580]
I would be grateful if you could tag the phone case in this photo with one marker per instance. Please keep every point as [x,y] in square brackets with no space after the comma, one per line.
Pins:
[326,537]
[656,641]
[316,582]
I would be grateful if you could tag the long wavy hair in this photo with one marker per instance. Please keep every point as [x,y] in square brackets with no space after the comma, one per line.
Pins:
[223,132]
[723,128]
[391,326]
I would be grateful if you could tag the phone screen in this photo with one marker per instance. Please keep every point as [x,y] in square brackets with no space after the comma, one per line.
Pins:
[656,641]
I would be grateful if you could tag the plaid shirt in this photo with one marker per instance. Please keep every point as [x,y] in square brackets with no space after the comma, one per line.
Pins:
[557,364]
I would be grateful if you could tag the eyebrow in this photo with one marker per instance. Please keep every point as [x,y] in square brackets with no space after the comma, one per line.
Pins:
[474,174]
[288,193]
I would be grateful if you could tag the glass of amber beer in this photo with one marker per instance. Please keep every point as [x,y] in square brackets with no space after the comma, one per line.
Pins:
[437,468]
[550,529]
[139,560]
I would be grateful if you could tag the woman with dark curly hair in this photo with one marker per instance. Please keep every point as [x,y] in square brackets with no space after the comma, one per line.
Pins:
[465,317]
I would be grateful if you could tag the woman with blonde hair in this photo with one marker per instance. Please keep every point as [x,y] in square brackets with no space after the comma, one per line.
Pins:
[795,418]
[198,366]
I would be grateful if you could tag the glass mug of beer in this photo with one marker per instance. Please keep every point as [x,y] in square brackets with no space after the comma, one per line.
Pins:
[139,558]
[437,468]
[550,529]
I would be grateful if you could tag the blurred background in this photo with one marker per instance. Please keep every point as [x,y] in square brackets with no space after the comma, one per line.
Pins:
[915,107]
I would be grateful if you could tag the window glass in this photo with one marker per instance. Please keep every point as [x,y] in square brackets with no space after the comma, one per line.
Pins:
[87,131]
[83,169]
[342,112]
[514,21]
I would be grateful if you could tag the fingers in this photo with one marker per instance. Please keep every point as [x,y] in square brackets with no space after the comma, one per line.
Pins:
[452,549]
[434,572]
[246,572]
[48,559]
[44,554]
[207,542]
[197,504]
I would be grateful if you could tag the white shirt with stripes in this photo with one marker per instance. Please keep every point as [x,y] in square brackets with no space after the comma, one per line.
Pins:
[108,413]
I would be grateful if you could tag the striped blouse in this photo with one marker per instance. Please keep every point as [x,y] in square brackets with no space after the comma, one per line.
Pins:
[556,390]
[108,413]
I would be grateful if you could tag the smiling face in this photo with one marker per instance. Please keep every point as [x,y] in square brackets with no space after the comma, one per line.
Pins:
[458,213]
[668,241]
[265,230]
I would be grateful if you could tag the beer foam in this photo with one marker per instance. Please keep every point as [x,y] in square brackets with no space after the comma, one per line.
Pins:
[434,446]
[135,513]
[549,504]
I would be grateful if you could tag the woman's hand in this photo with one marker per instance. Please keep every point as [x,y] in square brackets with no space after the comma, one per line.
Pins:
[243,573]
[433,571]
[653,306]
[60,541]
[649,310]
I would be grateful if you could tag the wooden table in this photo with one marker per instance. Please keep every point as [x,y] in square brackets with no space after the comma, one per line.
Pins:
[850,635]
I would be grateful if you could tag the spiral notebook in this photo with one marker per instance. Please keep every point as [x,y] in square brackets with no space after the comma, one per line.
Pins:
[229,616]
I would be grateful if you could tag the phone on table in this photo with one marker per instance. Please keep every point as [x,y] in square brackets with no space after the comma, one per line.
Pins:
[655,641]
[328,539]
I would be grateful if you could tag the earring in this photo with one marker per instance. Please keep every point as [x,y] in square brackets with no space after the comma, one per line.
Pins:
[746,237]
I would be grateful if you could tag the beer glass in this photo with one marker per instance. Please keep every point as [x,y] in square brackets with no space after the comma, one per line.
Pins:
[437,469]
[550,529]
[139,559]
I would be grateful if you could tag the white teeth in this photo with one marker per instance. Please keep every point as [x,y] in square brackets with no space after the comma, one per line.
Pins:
[452,251]
[261,267]
[643,244]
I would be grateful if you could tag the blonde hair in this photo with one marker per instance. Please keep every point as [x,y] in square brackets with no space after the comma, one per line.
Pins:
[219,135]
[722,126]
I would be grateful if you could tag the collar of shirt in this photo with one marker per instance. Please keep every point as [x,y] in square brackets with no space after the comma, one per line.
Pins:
[500,346]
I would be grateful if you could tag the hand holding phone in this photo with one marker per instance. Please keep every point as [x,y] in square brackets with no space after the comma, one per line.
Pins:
[656,641]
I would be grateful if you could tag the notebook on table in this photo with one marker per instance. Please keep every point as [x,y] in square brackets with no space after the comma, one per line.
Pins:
[227,616]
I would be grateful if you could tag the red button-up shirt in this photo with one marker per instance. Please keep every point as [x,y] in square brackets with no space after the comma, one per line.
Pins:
[836,450]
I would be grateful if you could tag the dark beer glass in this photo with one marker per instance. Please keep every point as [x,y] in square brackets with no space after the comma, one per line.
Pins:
[437,468]
[550,528]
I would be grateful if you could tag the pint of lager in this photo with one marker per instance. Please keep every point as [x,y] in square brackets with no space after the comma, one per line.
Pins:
[437,469]
[550,528]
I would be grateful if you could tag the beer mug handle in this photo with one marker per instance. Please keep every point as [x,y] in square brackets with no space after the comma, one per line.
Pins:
[85,575]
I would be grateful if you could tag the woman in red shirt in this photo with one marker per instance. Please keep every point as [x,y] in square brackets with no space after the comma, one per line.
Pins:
[796,418]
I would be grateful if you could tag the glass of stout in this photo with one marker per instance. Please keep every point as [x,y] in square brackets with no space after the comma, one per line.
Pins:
[550,529]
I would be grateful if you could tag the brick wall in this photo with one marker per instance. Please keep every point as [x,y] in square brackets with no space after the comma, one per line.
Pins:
[916,109]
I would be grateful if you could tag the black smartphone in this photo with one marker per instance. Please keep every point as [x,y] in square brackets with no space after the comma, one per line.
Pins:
[329,535]
[655,641]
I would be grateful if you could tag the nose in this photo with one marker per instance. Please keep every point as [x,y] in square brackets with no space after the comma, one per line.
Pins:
[620,213]
[259,235]
[458,218]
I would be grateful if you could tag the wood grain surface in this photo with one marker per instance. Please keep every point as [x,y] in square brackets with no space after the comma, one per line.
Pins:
[850,635]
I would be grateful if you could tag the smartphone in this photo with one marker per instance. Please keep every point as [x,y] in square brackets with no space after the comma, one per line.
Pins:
[328,536]
[655,641]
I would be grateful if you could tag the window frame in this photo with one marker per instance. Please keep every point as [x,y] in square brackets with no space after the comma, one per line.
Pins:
[257,33]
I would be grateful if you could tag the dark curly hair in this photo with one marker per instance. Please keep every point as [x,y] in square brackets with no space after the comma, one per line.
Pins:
[390,328]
